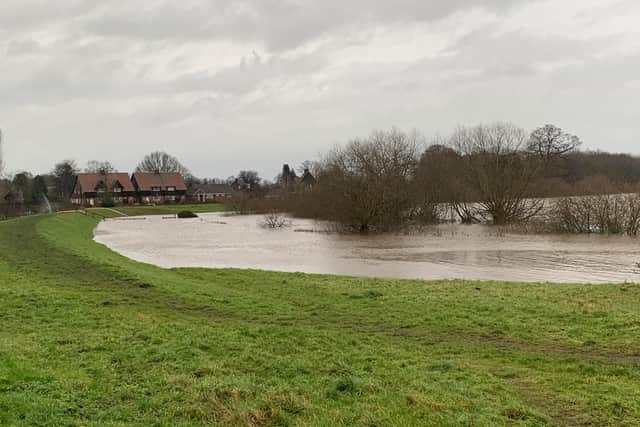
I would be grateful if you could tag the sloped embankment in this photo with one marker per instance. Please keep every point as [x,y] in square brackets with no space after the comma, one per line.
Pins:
[90,337]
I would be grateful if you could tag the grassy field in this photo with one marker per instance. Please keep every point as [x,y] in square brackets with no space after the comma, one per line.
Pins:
[119,211]
[88,337]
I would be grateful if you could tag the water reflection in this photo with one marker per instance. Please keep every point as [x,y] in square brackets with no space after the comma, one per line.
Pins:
[443,252]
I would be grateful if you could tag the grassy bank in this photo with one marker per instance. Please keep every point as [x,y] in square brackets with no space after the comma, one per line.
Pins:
[120,211]
[88,337]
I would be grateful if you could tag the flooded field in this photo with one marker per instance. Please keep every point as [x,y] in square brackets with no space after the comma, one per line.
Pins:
[443,252]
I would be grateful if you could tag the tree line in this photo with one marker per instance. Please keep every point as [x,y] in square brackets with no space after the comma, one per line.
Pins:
[23,192]
[496,173]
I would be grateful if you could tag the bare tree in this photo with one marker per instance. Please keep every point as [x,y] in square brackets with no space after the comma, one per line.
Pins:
[435,186]
[601,213]
[499,171]
[249,181]
[310,166]
[160,161]
[550,141]
[365,185]
[96,166]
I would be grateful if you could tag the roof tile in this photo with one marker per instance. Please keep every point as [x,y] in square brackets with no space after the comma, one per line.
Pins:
[147,180]
[89,181]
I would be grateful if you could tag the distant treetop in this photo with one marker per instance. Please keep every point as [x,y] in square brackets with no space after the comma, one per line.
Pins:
[159,161]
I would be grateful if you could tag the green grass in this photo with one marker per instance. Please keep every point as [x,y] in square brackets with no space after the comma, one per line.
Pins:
[154,210]
[88,337]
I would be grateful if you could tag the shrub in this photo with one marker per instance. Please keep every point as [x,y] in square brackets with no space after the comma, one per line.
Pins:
[251,204]
[275,220]
[186,214]
[107,200]
[609,214]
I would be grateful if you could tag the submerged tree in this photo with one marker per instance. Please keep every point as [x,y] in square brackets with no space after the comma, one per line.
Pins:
[365,185]
[436,185]
[499,170]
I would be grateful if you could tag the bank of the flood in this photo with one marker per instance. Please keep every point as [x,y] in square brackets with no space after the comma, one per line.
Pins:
[443,252]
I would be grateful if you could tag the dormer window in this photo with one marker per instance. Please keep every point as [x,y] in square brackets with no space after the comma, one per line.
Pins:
[155,189]
[117,187]
[171,189]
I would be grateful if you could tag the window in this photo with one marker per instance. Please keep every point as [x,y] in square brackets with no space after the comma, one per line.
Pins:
[155,189]
[117,189]
[171,188]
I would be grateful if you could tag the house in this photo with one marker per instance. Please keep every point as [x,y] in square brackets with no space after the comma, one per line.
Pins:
[288,181]
[307,181]
[236,185]
[159,187]
[205,193]
[94,189]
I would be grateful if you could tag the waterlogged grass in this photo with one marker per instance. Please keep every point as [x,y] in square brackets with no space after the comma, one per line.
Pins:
[120,211]
[88,337]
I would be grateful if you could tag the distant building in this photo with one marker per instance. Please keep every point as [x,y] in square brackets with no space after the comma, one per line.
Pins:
[288,180]
[307,181]
[210,193]
[93,188]
[159,187]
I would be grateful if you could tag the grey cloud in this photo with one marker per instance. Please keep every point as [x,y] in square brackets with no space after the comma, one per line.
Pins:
[99,74]
[250,73]
[165,74]
[22,47]
[280,24]
[24,15]
[599,74]
[484,55]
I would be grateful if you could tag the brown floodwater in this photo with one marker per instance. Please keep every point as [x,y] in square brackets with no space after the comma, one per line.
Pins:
[444,252]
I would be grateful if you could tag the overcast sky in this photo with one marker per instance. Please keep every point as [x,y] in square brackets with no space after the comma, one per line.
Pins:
[230,85]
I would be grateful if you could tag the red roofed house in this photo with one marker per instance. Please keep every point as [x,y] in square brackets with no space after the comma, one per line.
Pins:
[90,189]
[159,187]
